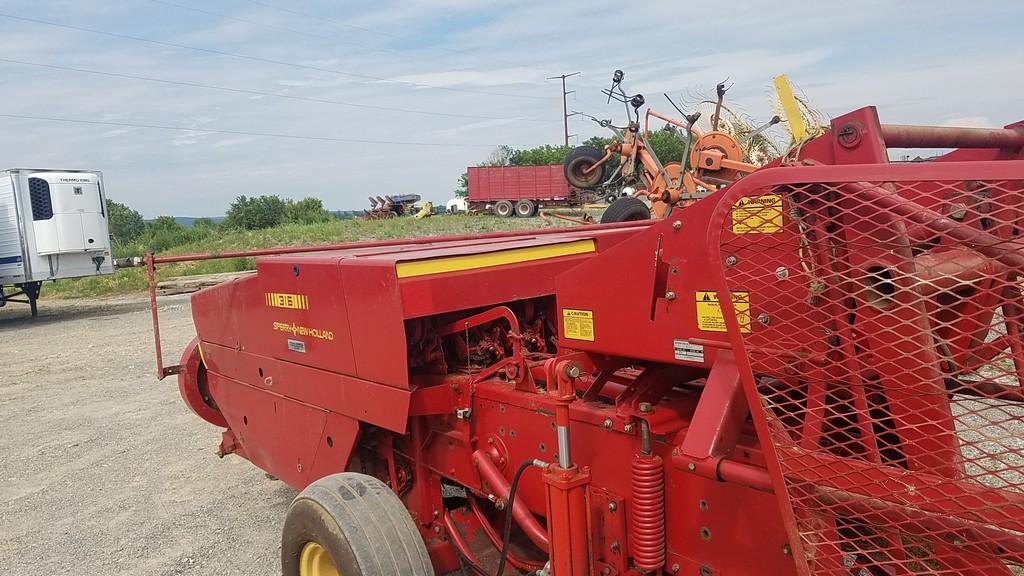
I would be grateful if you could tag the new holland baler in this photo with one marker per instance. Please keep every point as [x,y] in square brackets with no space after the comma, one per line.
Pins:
[815,370]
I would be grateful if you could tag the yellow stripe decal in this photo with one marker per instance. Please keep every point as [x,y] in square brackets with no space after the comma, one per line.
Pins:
[488,259]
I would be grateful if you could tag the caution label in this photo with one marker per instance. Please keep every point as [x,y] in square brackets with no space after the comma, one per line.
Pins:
[757,214]
[578,324]
[709,311]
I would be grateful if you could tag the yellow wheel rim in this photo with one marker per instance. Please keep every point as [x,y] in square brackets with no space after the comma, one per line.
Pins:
[315,561]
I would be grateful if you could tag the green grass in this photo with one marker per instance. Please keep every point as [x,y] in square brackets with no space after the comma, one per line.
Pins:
[131,280]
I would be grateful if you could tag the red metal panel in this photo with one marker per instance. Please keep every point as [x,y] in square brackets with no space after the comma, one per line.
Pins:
[375,403]
[278,434]
[491,183]
[380,345]
[636,277]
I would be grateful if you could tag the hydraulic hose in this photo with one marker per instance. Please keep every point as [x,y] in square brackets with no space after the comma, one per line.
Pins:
[507,534]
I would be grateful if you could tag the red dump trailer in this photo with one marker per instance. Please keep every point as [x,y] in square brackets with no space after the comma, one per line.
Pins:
[519,190]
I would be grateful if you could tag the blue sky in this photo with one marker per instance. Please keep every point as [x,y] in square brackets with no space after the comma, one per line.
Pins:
[484,62]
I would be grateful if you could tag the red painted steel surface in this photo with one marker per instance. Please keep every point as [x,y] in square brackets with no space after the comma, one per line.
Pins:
[492,183]
[827,353]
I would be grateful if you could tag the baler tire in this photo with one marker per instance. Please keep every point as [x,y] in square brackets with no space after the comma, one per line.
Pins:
[577,161]
[361,523]
[504,209]
[626,209]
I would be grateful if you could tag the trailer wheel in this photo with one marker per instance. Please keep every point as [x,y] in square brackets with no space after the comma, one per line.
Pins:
[503,208]
[351,524]
[626,210]
[577,161]
[526,209]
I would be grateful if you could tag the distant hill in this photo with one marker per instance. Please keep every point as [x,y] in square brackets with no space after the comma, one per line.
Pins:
[189,220]
[339,214]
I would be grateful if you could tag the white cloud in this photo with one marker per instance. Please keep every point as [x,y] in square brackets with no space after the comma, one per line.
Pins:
[913,60]
[971,122]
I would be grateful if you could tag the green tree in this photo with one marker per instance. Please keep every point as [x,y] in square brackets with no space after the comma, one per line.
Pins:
[666,145]
[463,189]
[125,223]
[162,223]
[255,213]
[539,156]
[500,156]
[306,211]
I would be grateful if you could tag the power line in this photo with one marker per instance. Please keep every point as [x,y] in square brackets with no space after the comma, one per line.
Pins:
[352,26]
[269,26]
[261,93]
[317,18]
[261,59]
[243,132]
[362,48]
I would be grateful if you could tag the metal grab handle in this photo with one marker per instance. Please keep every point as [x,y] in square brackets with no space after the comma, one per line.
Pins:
[901,136]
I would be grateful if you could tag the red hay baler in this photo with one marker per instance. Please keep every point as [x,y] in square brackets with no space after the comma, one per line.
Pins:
[815,370]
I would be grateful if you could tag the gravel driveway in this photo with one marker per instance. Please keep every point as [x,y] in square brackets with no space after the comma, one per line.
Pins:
[103,469]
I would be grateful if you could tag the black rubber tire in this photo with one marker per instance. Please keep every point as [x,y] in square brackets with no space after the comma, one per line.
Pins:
[579,159]
[526,209]
[626,209]
[360,522]
[504,209]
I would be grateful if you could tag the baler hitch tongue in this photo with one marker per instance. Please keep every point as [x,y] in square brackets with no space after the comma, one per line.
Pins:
[889,377]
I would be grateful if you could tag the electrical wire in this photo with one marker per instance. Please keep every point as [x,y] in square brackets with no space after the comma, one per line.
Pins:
[261,93]
[437,45]
[362,48]
[261,59]
[354,27]
[243,132]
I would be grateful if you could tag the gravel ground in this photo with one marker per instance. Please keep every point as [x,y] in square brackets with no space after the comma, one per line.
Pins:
[103,469]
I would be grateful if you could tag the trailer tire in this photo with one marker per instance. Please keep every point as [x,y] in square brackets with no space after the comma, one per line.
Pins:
[580,159]
[626,210]
[526,209]
[355,524]
[504,208]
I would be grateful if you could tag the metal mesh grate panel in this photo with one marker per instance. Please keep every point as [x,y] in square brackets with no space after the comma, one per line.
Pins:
[886,342]
[39,195]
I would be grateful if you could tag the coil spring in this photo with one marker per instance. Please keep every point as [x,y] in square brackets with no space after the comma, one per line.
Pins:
[647,535]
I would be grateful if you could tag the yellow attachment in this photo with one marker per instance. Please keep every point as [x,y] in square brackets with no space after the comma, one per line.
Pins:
[488,259]
[790,107]
[315,561]
[426,210]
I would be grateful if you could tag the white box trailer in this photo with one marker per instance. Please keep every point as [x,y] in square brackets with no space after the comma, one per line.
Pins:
[53,225]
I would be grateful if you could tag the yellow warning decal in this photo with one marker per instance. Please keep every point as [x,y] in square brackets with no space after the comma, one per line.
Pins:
[757,214]
[578,324]
[283,300]
[709,311]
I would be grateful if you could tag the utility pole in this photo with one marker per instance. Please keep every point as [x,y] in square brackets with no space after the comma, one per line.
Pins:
[565,104]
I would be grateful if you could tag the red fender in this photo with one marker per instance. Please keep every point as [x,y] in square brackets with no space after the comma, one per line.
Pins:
[193,388]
